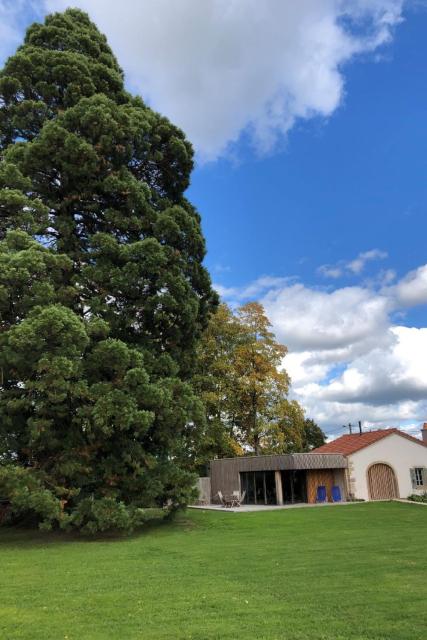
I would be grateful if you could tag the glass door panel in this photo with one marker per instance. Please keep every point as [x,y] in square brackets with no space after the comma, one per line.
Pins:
[300,486]
[294,486]
[247,483]
[270,488]
[287,486]
[259,487]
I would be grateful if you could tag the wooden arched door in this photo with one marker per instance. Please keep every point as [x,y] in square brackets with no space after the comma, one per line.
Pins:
[382,482]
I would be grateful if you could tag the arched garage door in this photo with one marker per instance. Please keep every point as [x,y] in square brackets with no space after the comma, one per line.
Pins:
[382,482]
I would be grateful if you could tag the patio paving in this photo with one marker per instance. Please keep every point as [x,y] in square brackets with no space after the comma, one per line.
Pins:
[245,508]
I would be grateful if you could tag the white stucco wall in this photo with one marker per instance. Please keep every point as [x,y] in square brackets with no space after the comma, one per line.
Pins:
[399,452]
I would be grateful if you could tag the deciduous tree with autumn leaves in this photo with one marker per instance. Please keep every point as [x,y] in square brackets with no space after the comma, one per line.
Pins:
[244,385]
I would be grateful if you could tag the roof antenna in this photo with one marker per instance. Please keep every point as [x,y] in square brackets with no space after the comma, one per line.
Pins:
[360,427]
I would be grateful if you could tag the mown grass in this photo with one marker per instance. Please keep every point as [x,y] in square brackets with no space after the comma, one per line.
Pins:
[350,572]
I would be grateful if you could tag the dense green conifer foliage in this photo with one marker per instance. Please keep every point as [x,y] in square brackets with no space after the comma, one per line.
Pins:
[103,295]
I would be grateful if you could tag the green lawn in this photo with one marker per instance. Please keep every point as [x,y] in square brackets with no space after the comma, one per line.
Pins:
[356,571]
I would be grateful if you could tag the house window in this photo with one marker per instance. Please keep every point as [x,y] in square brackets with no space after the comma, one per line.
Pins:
[418,477]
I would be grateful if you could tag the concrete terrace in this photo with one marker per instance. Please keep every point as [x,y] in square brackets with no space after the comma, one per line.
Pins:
[250,508]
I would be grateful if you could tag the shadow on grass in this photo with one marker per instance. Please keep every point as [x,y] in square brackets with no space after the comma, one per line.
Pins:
[19,537]
[13,537]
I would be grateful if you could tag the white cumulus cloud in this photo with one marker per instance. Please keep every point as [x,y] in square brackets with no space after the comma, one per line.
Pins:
[218,68]
[358,264]
[347,359]
[258,287]
[412,290]
[353,267]
[334,321]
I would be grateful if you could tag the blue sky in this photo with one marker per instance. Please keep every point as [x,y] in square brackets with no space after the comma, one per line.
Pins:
[309,122]
[340,186]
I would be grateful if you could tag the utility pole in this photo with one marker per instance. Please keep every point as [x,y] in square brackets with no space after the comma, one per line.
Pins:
[360,427]
[349,427]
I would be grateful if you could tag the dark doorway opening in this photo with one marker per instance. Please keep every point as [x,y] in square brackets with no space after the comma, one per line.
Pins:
[294,486]
[260,487]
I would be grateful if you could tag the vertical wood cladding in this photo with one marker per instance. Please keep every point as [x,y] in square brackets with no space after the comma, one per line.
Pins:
[382,482]
[318,478]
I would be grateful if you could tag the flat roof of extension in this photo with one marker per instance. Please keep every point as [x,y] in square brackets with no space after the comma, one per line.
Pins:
[285,461]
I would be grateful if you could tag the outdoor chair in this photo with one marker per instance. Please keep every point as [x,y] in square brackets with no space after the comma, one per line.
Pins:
[321,495]
[221,498]
[238,499]
[336,494]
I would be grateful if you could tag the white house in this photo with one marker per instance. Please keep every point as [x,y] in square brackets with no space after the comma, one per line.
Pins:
[382,464]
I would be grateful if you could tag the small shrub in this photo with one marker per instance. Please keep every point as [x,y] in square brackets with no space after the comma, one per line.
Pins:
[418,497]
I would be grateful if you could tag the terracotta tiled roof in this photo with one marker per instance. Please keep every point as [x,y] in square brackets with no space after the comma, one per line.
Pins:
[351,443]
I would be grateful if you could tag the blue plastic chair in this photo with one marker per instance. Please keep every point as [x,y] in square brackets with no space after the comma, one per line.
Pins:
[336,494]
[321,494]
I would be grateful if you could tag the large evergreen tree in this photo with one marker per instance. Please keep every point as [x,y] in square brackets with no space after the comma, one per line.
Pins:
[103,295]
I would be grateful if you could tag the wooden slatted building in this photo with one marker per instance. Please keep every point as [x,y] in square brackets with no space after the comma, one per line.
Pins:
[279,479]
